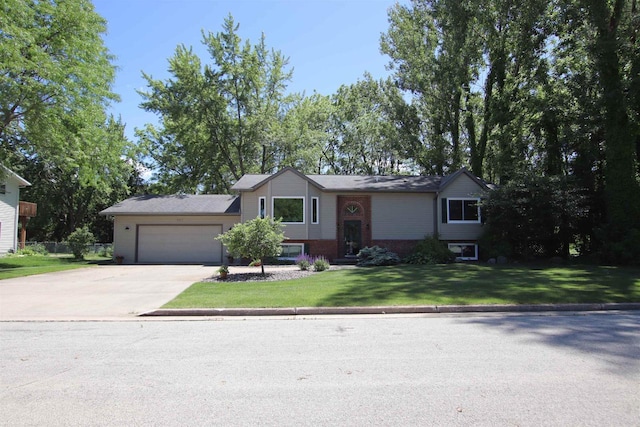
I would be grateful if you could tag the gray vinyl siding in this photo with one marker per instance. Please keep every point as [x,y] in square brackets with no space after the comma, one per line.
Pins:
[9,216]
[399,216]
[462,187]
[124,241]
[250,201]
[288,185]
[328,218]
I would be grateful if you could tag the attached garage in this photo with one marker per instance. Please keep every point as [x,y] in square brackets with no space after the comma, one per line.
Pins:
[178,229]
[179,244]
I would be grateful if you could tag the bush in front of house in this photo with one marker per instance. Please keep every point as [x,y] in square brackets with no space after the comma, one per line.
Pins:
[304,262]
[79,242]
[106,252]
[33,250]
[375,255]
[320,263]
[431,251]
[257,239]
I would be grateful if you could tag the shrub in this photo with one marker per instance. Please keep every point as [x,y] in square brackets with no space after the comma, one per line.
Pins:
[431,251]
[321,264]
[304,261]
[32,250]
[79,241]
[106,252]
[368,257]
[257,239]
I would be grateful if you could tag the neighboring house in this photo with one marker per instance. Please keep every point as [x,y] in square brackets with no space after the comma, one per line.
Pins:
[330,215]
[10,185]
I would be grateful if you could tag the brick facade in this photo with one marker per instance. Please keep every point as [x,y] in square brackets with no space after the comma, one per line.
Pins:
[402,247]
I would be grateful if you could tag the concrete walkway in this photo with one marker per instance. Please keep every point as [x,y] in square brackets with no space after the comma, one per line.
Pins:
[96,293]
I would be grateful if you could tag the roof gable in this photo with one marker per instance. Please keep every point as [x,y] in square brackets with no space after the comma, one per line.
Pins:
[252,182]
[463,171]
[15,177]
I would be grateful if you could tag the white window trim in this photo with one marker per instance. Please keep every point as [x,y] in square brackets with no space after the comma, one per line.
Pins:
[462,258]
[304,209]
[292,244]
[315,200]
[457,221]
[262,203]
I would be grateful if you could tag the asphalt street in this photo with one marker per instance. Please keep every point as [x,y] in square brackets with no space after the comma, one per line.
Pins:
[564,369]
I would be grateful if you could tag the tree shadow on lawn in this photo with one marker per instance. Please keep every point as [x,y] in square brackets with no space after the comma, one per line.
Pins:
[481,284]
[611,337]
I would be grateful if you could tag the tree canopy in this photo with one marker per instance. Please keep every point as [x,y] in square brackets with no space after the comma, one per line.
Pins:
[256,239]
[56,77]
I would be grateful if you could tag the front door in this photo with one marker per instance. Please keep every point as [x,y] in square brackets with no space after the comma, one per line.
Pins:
[352,237]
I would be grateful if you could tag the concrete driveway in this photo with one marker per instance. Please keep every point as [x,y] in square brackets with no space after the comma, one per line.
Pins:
[96,293]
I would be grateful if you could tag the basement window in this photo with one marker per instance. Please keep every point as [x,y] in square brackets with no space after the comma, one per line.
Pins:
[464,251]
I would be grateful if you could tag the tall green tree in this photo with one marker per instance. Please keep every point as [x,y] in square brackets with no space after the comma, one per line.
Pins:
[55,83]
[66,202]
[366,130]
[256,239]
[621,181]
[219,121]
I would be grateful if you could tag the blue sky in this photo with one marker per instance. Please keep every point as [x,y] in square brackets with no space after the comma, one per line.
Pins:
[328,42]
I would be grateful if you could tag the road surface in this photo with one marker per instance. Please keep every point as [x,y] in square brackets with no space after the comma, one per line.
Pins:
[445,370]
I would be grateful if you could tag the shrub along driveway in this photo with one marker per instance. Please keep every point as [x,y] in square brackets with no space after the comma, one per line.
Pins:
[100,292]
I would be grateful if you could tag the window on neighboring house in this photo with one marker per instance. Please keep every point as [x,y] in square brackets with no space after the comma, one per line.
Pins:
[292,250]
[3,189]
[262,207]
[464,251]
[290,209]
[463,210]
[314,210]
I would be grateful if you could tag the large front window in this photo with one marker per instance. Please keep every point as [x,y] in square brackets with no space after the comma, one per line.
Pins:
[289,209]
[463,210]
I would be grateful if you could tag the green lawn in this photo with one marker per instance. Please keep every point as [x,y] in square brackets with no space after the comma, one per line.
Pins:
[424,285]
[18,266]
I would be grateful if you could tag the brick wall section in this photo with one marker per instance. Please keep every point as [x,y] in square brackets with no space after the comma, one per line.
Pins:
[401,247]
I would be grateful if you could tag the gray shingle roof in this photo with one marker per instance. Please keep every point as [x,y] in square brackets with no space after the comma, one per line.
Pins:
[398,183]
[377,183]
[176,204]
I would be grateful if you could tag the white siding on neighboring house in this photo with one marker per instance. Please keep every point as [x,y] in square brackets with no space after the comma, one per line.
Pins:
[399,216]
[462,187]
[9,202]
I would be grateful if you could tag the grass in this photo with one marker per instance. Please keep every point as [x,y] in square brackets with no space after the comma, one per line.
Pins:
[19,266]
[424,285]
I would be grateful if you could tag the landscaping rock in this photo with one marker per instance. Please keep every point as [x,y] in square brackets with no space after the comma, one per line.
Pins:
[502,259]
[491,261]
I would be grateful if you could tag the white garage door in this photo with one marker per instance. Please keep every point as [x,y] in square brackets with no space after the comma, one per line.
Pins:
[179,244]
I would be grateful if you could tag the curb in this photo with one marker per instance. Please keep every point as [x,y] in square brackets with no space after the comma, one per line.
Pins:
[309,311]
